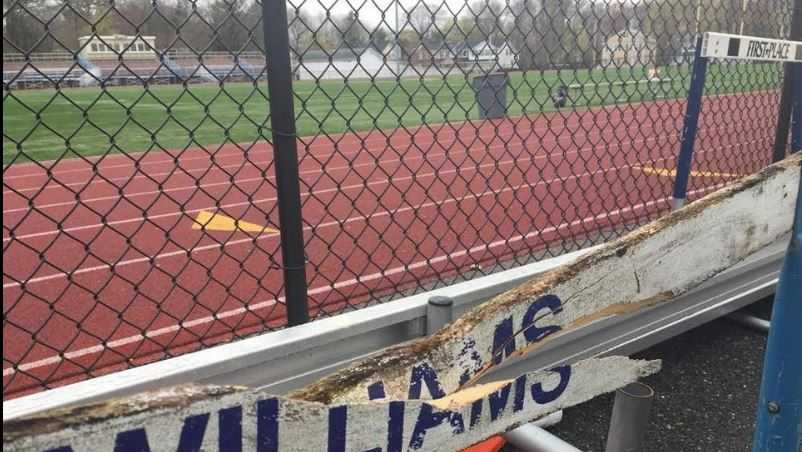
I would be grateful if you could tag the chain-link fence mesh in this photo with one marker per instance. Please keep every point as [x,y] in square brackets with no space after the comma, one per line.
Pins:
[437,141]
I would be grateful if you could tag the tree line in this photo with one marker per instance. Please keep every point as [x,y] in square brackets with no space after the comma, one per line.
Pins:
[543,33]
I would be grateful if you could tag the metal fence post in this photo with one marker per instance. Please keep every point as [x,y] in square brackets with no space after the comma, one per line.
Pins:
[691,124]
[630,418]
[796,120]
[282,120]
[786,95]
[439,313]
[779,408]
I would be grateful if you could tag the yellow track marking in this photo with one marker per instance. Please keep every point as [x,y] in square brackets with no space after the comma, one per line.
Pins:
[211,221]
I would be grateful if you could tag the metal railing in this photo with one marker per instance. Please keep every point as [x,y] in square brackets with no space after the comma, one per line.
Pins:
[251,172]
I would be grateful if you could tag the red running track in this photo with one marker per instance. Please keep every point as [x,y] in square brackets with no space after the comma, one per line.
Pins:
[97,276]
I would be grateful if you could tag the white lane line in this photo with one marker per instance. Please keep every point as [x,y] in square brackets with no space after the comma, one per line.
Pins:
[475,146]
[492,133]
[56,359]
[338,139]
[181,252]
[254,202]
[322,191]
[216,245]
[224,151]
[409,132]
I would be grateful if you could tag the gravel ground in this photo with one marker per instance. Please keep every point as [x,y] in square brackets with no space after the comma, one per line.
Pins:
[705,395]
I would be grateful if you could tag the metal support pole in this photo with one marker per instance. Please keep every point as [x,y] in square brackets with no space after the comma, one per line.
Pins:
[528,437]
[796,116]
[630,418]
[751,321]
[438,313]
[779,409]
[282,120]
[786,95]
[531,438]
[691,124]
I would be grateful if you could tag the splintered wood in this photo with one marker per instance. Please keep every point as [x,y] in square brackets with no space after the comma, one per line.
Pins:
[420,396]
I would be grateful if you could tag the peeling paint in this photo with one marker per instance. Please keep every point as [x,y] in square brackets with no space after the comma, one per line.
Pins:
[234,419]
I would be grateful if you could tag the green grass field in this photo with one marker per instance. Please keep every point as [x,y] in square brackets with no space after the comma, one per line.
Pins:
[48,124]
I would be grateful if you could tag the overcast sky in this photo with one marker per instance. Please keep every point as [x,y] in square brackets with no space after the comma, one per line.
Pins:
[370,10]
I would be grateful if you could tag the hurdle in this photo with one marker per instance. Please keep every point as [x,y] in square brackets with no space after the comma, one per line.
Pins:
[779,409]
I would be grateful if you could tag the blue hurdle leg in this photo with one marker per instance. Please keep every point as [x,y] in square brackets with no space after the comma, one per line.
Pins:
[779,409]
[691,124]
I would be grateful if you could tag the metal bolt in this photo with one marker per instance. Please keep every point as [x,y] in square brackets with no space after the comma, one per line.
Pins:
[773,407]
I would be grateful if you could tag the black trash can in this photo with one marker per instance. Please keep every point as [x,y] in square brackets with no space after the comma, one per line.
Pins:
[491,95]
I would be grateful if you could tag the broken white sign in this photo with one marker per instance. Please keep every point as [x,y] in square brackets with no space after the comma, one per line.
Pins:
[193,418]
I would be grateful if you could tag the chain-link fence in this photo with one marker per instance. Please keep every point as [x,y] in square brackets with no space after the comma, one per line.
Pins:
[153,206]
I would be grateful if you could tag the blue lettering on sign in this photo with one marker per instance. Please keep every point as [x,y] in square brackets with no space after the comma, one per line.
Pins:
[395,427]
[132,441]
[229,423]
[498,401]
[504,345]
[503,340]
[542,397]
[476,411]
[191,439]
[430,418]
[469,348]
[424,373]
[338,418]
[376,391]
[520,393]
[192,433]
[267,425]
[230,437]
[533,333]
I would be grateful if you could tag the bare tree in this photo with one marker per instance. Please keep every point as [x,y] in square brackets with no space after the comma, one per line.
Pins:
[22,26]
[489,16]
[352,33]
[225,18]
[422,18]
[300,25]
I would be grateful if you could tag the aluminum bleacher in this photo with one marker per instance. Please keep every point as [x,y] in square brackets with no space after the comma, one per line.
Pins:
[45,70]
[221,66]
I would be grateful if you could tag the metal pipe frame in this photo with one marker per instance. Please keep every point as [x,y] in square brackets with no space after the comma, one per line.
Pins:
[630,418]
[750,321]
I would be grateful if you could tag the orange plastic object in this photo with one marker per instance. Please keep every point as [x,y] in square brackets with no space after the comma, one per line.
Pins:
[492,444]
